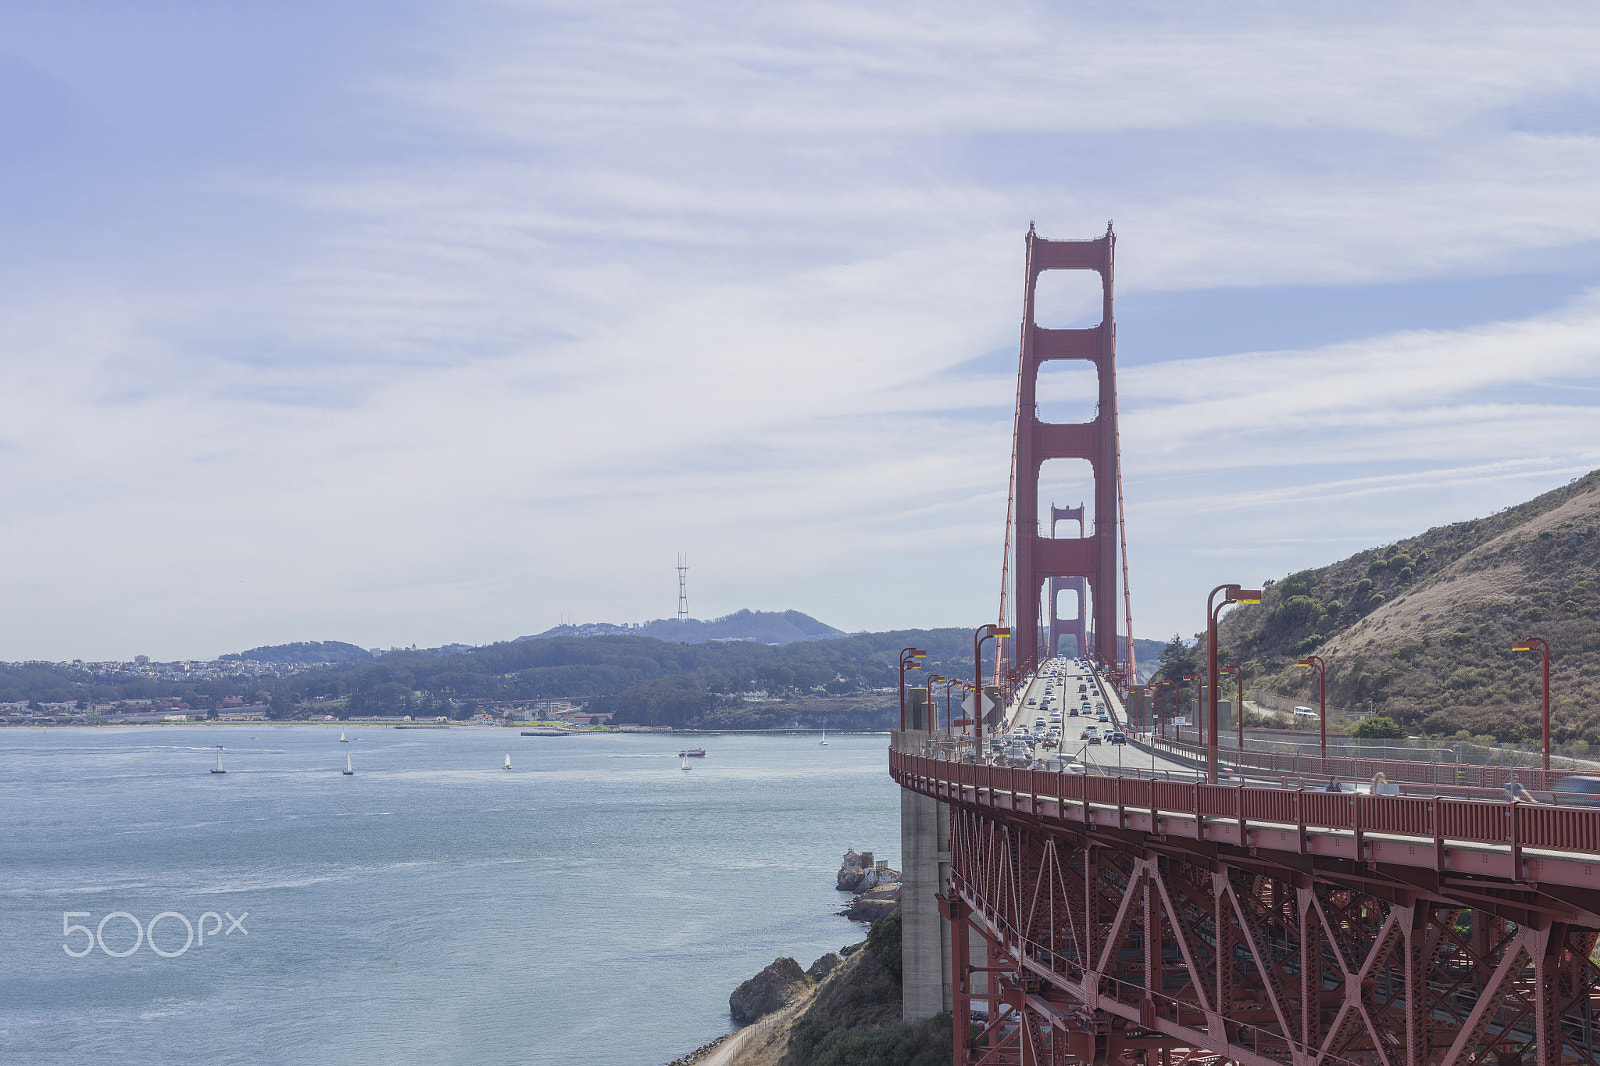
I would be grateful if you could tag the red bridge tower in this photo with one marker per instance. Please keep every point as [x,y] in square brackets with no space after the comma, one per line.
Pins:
[1092,556]
[1060,626]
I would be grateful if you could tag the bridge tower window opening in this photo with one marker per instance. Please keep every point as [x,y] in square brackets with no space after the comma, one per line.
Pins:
[1067,393]
[1069,299]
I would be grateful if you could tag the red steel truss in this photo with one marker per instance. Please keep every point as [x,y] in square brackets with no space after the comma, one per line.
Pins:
[1093,556]
[1157,923]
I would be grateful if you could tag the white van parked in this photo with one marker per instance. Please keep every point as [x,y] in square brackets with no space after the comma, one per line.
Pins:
[1305,712]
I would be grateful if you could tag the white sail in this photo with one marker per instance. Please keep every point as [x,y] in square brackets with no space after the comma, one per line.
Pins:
[508,760]
[348,769]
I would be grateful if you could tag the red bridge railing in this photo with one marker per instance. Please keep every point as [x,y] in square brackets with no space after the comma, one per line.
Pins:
[1357,767]
[1522,825]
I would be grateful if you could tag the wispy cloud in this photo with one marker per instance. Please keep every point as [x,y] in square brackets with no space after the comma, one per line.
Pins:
[519,300]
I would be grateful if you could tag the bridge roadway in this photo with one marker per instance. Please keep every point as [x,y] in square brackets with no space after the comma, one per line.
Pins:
[1096,918]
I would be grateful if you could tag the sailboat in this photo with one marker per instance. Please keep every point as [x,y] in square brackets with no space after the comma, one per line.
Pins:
[508,760]
[218,768]
[348,769]
[685,763]
[824,738]
[342,739]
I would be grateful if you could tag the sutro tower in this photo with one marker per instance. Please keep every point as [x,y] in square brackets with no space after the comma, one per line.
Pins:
[683,587]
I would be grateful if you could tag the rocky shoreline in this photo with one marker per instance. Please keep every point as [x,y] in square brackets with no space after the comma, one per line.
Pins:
[783,986]
[783,994]
[699,1054]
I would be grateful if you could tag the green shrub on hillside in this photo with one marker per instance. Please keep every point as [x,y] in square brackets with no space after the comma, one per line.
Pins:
[883,940]
[1300,610]
[813,1044]
[1300,583]
[1379,728]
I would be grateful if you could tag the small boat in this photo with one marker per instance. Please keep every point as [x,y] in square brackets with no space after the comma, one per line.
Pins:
[508,760]
[342,739]
[685,762]
[217,769]
[824,738]
[348,769]
[692,753]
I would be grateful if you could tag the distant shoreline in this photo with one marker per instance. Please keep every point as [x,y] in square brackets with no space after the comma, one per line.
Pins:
[346,724]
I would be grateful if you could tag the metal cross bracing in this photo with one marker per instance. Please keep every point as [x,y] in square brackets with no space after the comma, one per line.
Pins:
[1160,924]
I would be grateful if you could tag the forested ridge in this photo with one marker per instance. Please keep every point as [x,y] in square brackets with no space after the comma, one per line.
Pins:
[639,679]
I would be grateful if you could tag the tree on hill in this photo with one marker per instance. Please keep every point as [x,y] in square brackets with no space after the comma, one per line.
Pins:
[1178,660]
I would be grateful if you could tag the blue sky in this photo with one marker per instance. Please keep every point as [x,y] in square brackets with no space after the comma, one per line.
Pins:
[423,323]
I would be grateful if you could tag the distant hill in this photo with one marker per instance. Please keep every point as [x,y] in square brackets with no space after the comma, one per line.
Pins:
[761,627]
[1424,627]
[301,652]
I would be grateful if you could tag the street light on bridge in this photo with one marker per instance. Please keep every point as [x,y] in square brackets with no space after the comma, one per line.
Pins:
[1231,594]
[949,683]
[1544,661]
[979,635]
[1322,697]
[933,711]
[1177,698]
[1159,715]
[908,661]
[1238,713]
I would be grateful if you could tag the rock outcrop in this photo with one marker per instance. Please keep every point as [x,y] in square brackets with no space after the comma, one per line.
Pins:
[823,966]
[873,904]
[774,988]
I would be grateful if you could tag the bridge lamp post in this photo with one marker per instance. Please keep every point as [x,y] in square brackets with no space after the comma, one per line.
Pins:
[979,635]
[1160,688]
[1178,699]
[908,661]
[1544,662]
[933,711]
[949,683]
[1238,713]
[1322,696]
[1231,594]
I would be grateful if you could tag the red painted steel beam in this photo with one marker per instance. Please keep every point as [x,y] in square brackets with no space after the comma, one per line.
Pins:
[1100,951]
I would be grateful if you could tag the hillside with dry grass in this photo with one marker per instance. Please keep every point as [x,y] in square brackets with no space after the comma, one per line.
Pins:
[1423,628]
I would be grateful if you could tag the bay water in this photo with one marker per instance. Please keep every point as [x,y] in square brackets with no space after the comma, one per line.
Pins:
[594,904]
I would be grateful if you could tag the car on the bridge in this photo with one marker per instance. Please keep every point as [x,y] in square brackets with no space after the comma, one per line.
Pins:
[1578,790]
[1119,737]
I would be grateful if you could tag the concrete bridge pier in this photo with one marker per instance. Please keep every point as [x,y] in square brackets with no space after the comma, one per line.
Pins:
[925,870]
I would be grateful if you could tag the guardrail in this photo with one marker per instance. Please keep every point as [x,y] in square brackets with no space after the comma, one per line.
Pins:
[1356,767]
[1521,825]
